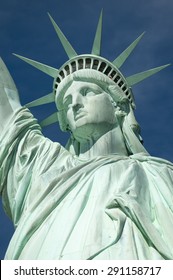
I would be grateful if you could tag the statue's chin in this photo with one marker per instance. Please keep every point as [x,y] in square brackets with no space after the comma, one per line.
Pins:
[90,131]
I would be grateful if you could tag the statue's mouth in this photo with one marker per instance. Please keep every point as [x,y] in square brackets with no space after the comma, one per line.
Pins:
[80,113]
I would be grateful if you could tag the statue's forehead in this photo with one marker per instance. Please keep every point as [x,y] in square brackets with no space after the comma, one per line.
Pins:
[83,76]
[77,85]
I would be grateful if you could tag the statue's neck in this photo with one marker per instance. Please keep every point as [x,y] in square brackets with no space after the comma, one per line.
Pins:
[111,142]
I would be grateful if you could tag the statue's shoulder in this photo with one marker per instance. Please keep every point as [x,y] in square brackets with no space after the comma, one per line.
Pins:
[142,157]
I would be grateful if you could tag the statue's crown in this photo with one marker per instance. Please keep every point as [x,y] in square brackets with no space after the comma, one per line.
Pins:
[89,61]
[97,63]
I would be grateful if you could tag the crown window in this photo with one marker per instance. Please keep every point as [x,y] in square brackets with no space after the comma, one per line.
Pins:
[116,79]
[62,74]
[102,66]
[73,65]
[95,64]
[67,69]
[124,88]
[58,80]
[107,71]
[121,83]
[88,62]
[80,64]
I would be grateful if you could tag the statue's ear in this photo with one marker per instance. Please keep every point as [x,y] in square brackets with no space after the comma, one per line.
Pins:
[121,110]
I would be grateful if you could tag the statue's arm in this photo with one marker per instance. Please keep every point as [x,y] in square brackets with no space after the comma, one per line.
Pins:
[9,98]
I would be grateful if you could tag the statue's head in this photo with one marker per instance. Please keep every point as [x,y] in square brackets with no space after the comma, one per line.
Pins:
[106,87]
[89,100]
[90,104]
[90,91]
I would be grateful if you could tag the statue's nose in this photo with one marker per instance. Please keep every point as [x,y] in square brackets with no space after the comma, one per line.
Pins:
[77,101]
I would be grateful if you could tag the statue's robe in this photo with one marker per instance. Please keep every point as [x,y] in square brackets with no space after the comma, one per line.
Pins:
[109,207]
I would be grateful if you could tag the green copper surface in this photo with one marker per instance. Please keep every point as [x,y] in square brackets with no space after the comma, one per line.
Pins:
[94,61]
[50,120]
[40,66]
[49,98]
[66,45]
[60,207]
[98,36]
[102,196]
[134,79]
[119,61]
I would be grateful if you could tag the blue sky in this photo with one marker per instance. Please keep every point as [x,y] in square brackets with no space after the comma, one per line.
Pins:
[25,29]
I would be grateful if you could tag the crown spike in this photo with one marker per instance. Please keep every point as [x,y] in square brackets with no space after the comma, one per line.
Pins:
[119,61]
[50,120]
[66,45]
[49,98]
[134,79]
[96,49]
[42,67]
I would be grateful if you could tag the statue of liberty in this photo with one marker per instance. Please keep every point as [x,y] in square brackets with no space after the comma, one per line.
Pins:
[100,197]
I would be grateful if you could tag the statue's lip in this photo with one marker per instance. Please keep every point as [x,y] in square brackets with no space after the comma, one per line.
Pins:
[79,114]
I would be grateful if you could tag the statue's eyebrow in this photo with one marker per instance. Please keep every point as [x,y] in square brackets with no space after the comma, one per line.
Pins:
[94,87]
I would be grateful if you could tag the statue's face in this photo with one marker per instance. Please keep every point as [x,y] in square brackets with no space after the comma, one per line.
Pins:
[89,109]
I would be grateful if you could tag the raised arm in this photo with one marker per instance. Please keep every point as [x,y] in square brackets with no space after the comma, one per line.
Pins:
[9,98]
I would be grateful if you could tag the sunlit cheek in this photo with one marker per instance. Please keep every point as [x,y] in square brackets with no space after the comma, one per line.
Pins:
[103,111]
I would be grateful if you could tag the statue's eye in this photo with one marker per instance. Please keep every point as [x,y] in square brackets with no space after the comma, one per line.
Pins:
[85,91]
[88,92]
[91,93]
